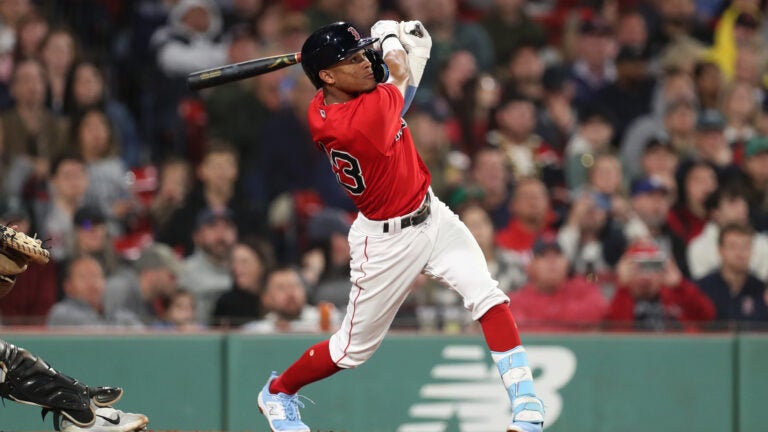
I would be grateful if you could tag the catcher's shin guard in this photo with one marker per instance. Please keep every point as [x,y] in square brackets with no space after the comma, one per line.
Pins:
[28,379]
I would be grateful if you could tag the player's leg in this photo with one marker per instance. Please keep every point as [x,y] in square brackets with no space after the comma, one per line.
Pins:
[383,268]
[28,379]
[458,261]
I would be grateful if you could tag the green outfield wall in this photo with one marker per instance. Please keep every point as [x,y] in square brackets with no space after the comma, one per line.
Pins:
[418,383]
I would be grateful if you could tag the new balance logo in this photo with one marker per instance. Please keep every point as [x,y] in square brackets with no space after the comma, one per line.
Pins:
[114,421]
[275,411]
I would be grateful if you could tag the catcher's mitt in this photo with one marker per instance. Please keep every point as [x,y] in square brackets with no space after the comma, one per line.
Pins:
[16,250]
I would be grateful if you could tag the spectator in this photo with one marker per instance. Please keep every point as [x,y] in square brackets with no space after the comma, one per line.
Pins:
[86,88]
[659,160]
[591,239]
[36,289]
[592,137]
[242,303]
[673,118]
[449,33]
[32,134]
[286,167]
[32,29]
[179,313]
[738,295]
[553,300]
[514,121]
[191,41]
[175,181]
[93,138]
[237,111]
[630,95]
[84,302]
[531,217]
[740,109]
[285,300]
[207,273]
[525,69]
[606,178]
[54,216]
[155,280]
[631,30]
[593,68]
[652,293]
[492,176]
[557,119]
[709,84]
[58,53]
[217,188]
[727,205]
[756,172]
[328,230]
[11,13]
[651,201]
[507,269]
[509,27]
[689,215]
[711,145]
[92,238]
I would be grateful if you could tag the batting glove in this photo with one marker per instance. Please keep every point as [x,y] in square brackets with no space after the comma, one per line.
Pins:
[415,39]
[387,31]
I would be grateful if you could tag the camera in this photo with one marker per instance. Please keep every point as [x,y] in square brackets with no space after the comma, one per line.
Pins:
[650,265]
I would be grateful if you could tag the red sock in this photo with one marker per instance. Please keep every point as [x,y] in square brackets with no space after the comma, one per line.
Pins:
[314,365]
[499,329]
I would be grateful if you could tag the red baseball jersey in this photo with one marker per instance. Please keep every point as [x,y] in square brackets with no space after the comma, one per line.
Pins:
[371,151]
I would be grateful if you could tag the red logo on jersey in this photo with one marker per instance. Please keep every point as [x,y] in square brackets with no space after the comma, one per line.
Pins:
[354,32]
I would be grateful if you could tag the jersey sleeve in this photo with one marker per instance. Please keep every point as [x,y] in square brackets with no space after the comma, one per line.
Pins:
[378,117]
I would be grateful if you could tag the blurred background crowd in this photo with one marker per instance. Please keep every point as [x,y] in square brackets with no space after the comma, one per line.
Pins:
[609,156]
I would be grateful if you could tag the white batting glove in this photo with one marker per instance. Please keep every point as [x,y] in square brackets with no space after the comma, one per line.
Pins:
[388,32]
[415,39]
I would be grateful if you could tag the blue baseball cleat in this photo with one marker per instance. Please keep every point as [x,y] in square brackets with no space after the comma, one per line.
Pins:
[528,415]
[281,410]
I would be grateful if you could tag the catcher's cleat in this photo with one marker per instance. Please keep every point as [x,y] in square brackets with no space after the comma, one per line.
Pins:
[109,419]
[281,410]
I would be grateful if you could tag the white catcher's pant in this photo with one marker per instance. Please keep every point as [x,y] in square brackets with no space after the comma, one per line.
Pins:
[384,265]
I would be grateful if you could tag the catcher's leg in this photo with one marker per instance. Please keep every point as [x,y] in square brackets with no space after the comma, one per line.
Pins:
[28,379]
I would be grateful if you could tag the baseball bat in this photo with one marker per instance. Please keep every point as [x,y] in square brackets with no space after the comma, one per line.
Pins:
[237,71]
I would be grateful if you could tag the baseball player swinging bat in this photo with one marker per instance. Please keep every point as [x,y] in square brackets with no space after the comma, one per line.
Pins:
[234,72]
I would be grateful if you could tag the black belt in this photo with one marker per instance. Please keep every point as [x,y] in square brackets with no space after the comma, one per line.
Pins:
[419,216]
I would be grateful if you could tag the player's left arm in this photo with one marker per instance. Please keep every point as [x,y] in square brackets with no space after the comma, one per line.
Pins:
[418,43]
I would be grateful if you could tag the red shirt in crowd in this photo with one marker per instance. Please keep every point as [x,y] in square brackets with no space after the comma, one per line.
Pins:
[576,303]
[683,223]
[518,238]
[684,303]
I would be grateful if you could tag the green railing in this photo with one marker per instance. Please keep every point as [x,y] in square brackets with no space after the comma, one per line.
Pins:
[590,382]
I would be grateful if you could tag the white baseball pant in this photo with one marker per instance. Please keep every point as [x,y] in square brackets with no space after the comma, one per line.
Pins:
[384,265]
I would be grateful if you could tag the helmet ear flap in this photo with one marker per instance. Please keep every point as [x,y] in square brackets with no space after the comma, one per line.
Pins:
[380,69]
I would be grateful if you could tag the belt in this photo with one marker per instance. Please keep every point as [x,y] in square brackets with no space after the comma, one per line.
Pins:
[420,215]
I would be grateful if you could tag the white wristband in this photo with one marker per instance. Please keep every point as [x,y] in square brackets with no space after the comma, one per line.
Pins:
[390,43]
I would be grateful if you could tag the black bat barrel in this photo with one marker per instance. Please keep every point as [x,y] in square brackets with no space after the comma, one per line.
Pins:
[238,71]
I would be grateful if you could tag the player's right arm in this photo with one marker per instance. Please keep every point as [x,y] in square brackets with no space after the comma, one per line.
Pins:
[393,52]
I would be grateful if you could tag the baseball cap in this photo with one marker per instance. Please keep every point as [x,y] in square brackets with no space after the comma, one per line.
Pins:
[12,211]
[710,120]
[159,256]
[209,215]
[756,145]
[546,243]
[655,143]
[88,216]
[648,185]
[327,222]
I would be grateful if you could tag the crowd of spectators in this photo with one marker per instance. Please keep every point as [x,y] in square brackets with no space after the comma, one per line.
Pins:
[609,156]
